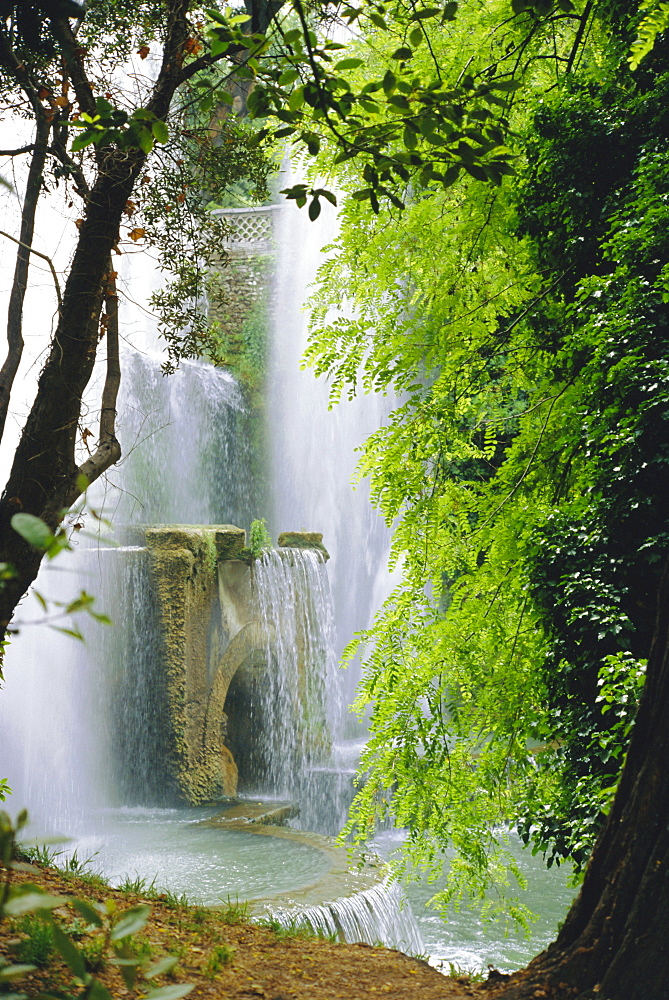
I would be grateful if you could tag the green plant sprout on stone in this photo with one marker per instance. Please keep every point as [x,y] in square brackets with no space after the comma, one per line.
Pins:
[260,541]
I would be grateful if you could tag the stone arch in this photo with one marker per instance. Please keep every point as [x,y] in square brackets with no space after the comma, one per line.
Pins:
[247,649]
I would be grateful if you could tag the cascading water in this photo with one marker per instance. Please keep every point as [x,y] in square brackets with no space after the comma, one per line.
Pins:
[288,709]
[314,448]
[373,915]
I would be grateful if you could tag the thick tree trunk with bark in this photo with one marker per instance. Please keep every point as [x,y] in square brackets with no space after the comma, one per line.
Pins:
[613,945]
[45,479]
[44,472]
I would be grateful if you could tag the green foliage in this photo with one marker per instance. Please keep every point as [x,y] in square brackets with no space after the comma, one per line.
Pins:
[36,944]
[234,912]
[109,934]
[109,124]
[525,471]
[655,20]
[260,539]
[219,956]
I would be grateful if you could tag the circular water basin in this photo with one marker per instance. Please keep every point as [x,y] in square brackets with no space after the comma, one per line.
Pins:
[177,852]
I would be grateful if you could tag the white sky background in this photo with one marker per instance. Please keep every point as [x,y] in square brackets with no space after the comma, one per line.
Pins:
[55,236]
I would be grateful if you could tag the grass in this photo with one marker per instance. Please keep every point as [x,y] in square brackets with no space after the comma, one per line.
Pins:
[39,854]
[456,971]
[36,947]
[234,912]
[293,929]
[169,898]
[219,956]
[138,886]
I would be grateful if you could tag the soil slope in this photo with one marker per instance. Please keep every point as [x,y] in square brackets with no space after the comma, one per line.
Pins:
[223,958]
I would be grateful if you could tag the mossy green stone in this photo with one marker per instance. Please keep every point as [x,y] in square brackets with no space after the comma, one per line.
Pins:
[303,540]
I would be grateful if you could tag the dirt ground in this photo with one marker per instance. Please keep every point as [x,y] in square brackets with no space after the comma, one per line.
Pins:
[222,958]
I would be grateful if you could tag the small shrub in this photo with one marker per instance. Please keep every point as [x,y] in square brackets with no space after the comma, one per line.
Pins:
[36,948]
[219,956]
[93,953]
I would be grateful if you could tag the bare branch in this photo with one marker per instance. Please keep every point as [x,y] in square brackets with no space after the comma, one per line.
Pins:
[20,283]
[44,257]
[108,450]
[17,152]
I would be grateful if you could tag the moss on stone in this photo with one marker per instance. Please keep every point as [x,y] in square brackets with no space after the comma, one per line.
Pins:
[303,540]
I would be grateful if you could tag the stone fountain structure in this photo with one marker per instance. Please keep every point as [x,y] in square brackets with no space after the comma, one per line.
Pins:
[211,637]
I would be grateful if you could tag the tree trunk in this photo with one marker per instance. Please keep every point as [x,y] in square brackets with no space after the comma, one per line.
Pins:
[613,945]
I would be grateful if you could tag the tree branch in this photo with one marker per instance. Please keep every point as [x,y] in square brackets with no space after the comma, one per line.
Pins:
[17,152]
[20,282]
[43,256]
[108,450]
[62,32]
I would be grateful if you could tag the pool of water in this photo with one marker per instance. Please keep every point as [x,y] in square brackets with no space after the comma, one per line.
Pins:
[176,851]
[470,943]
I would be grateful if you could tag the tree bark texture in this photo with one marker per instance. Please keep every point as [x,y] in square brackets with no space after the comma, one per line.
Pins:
[44,475]
[613,944]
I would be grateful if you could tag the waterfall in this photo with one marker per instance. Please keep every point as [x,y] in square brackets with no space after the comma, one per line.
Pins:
[83,726]
[80,724]
[188,456]
[314,449]
[292,706]
[380,915]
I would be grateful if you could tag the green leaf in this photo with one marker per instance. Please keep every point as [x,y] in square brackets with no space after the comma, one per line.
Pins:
[422,15]
[8,972]
[314,209]
[377,20]
[296,99]
[128,968]
[348,64]
[132,921]
[85,139]
[163,965]
[409,137]
[69,952]
[506,86]
[145,140]
[101,618]
[328,195]
[87,911]
[160,131]
[73,633]
[33,530]
[389,83]
[32,902]
[96,991]
[171,992]
[402,53]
